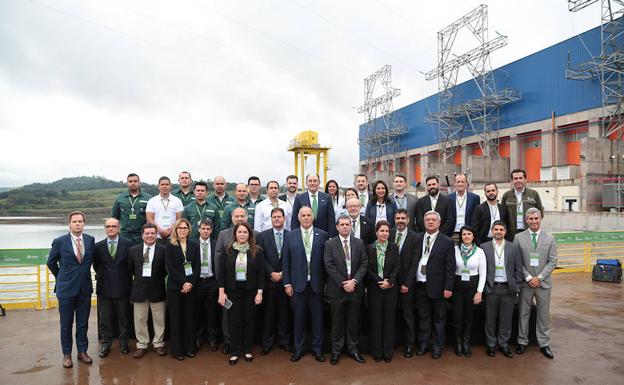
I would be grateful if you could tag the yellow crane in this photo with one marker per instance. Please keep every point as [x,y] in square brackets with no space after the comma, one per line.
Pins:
[306,144]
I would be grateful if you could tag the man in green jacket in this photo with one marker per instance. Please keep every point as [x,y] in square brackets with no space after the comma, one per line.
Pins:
[200,209]
[129,209]
[184,192]
[518,200]
[219,199]
[242,201]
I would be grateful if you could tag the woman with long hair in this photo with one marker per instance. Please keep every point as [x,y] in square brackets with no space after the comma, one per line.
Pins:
[332,188]
[381,207]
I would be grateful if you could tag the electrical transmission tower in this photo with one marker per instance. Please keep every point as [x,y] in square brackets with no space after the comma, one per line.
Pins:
[608,67]
[381,129]
[456,117]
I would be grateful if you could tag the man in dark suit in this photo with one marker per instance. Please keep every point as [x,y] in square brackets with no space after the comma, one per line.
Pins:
[346,263]
[489,212]
[70,261]
[406,240]
[110,262]
[147,266]
[404,200]
[504,276]
[361,227]
[319,202]
[435,276]
[225,237]
[292,184]
[207,291]
[275,299]
[302,264]
[463,203]
[364,195]
[438,203]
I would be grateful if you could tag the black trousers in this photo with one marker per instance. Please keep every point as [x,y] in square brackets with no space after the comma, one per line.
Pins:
[207,310]
[431,317]
[182,329]
[275,317]
[111,308]
[241,318]
[381,315]
[407,309]
[463,306]
[345,315]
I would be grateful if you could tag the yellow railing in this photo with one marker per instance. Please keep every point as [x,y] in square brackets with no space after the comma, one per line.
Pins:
[582,257]
[16,287]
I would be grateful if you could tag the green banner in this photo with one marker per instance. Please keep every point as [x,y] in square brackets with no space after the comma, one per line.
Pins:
[589,236]
[23,257]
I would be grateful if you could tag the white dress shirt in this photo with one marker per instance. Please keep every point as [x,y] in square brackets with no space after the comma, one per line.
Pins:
[460,209]
[500,274]
[477,264]
[75,244]
[151,252]
[262,218]
[206,269]
[420,277]
[494,216]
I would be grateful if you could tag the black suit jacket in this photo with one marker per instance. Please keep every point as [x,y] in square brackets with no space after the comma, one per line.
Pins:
[482,217]
[409,256]
[255,271]
[147,288]
[367,230]
[391,268]
[336,266]
[371,211]
[113,275]
[440,265]
[174,260]
[325,217]
[272,259]
[513,267]
[444,207]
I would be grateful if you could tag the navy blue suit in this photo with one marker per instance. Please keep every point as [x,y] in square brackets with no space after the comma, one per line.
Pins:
[325,218]
[371,212]
[307,294]
[472,201]
[73,288]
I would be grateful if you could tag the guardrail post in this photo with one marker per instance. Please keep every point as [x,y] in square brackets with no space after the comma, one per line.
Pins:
[39,307]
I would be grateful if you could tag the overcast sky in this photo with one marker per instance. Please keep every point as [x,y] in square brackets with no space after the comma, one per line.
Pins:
[220,87]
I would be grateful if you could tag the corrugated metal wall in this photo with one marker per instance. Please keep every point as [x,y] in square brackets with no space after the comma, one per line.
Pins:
[539,77]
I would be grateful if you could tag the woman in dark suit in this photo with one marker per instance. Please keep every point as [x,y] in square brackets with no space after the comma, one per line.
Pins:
[241,280]
[383,268]
[183,267]
[381,207]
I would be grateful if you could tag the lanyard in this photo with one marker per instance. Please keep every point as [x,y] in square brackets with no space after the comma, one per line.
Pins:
[494,212]
[132,203]
[201,213]
[499,256]
[162,201]
[400,203]
[467,254]
[460,205]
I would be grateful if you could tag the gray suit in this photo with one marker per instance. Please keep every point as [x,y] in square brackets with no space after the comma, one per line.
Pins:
[223,240]
[501,296]
[547,261]
[411,208]
[345,305]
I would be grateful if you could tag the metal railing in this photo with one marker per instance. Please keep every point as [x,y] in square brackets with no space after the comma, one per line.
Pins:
[20,287]
[573,258]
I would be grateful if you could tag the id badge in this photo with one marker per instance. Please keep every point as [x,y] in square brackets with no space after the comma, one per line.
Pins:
[534,260]
[241,276]
[205,269]
[165,218]
[132,217]
[147,270]
[423,269]
[348,267]
[465,275]
[498,272]
[188,269]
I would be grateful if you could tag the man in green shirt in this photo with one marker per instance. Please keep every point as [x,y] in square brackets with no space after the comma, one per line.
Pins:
[199,209]
[242,201]
[129,209]
[253,185]
[219,199]
[184,192]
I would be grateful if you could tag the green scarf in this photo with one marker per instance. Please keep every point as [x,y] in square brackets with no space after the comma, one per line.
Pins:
[381,256]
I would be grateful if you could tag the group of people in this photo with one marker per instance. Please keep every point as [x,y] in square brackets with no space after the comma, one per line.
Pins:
[208,262]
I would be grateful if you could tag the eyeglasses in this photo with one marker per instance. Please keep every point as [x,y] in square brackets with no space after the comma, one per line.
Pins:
[111,226]
[183,228]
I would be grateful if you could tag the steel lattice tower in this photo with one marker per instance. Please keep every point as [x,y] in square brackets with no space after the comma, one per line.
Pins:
[457,118]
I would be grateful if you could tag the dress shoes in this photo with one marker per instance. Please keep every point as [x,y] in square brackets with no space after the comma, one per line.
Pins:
[84,358]
[491,352]
[466,349]
[124,349]
[213,346]
[104,351]
[285,348]
[296,356]
[233,360]
[160,351]
[334,359]
[139,353]
[180,357]
[520,349]
[249,357]
[436,352]
[265,351]
[67,361]
[388,359]
[409,352]
[459,350]
[190,354]
[547,352]
[319,357]
[357,357]
[506,352]
[377,359]
[422,349]
[226,349]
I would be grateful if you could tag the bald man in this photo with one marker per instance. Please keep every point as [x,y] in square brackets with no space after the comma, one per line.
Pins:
[110,262]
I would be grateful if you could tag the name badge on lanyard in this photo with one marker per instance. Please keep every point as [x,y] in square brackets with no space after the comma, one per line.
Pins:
[188,269]
[147,270]
[498,271]
[348,267]
[205,267]
[534,259]
[465,275]
[241,270]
